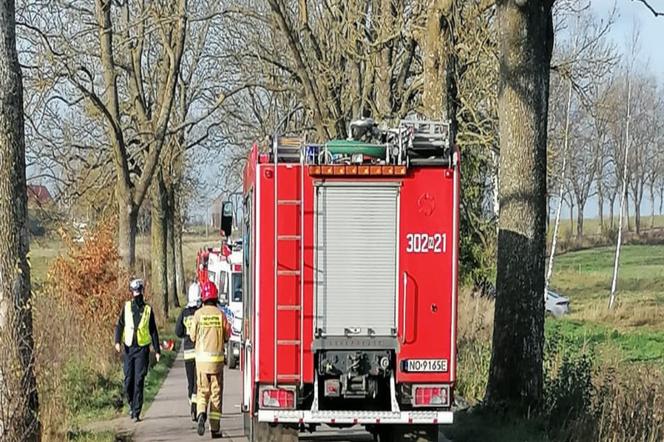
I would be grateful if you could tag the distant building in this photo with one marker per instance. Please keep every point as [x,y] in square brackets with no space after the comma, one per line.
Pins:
[39,195]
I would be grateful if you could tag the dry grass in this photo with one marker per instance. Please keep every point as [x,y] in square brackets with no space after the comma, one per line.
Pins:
[475,317]
[475,327]
[628,314]
[627,404]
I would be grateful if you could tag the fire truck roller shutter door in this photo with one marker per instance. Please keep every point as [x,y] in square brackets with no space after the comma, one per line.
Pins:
[356,260]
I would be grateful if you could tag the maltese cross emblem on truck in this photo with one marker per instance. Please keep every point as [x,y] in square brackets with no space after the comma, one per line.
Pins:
[426,204]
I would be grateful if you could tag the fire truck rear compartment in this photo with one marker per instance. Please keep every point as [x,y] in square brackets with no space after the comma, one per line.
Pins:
[356,259]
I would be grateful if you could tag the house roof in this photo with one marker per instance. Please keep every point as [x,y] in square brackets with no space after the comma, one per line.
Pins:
[39,194]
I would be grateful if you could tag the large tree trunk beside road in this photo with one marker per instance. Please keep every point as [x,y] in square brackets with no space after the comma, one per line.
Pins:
[158,241]
[18,389]
[179,256]
[170,247]
[128,225]
[525,44]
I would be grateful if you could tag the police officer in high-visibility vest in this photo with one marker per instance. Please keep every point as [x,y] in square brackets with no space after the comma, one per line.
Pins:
[209,331]
[136,329]
[182,327]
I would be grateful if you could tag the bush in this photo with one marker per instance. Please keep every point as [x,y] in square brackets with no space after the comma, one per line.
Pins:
[89,278]
[74,316]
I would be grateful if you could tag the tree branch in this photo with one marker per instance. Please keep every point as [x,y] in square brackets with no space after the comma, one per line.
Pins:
[647,4]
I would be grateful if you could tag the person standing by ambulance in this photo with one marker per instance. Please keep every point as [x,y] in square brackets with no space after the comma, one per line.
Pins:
[182,327]
[209,332]
[136,329]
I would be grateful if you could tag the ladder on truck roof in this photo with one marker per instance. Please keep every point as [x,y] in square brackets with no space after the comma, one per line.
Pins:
[289,150]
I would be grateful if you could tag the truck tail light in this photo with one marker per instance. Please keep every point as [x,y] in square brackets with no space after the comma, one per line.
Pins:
[277,398]
[431,396]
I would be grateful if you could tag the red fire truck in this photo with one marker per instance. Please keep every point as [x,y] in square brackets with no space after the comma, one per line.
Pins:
[350,282]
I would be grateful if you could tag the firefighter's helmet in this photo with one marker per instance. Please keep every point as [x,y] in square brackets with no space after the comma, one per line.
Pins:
[136,286]
[194,295]
[209,291]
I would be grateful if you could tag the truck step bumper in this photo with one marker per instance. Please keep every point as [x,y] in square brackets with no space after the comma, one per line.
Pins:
[353,417]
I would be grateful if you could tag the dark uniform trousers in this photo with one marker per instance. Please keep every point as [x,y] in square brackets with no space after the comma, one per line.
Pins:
[136,362]
[190,368]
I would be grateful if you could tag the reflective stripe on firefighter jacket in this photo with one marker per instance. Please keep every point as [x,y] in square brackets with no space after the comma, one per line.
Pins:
[209,333]
[182,330]
[143,330]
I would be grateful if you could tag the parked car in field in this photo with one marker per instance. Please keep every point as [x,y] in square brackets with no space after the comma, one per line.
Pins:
[556,304]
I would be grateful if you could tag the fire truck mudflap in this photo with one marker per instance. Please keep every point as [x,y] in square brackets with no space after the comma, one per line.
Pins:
[351,281]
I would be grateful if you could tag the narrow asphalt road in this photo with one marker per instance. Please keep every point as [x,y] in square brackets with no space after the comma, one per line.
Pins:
[168,417]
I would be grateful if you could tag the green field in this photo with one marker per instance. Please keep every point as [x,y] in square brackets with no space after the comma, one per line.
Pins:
[634,329]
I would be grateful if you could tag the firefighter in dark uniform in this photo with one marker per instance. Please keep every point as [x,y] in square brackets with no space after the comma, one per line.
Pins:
[182,327]
[136,329]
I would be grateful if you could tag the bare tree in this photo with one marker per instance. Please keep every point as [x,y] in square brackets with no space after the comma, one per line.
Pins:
[18,389]
[562,179]
[623,196]
[124,80]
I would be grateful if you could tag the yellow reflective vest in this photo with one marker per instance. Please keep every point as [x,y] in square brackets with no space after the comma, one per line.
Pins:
[143,330]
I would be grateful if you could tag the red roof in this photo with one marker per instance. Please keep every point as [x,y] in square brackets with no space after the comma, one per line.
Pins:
[39,194]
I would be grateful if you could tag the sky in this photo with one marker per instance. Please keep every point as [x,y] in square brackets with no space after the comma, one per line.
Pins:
[629,14]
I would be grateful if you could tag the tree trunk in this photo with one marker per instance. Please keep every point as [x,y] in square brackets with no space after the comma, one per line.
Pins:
[170,249]
[637,218]
[638,200]
[652,206]
[579,221]
[571,217]
[495,157]
[18,389]
[600,207]
[624,195]
[563,170]
[525,42]
[127,231]
[612,203]
[629,221]
[435,44]
[179,257]
[158,241]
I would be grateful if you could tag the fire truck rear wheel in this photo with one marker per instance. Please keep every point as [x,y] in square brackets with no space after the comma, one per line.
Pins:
[232,359]
[264,432]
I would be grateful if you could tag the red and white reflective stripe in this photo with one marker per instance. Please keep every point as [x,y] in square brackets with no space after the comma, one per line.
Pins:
[351,417]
